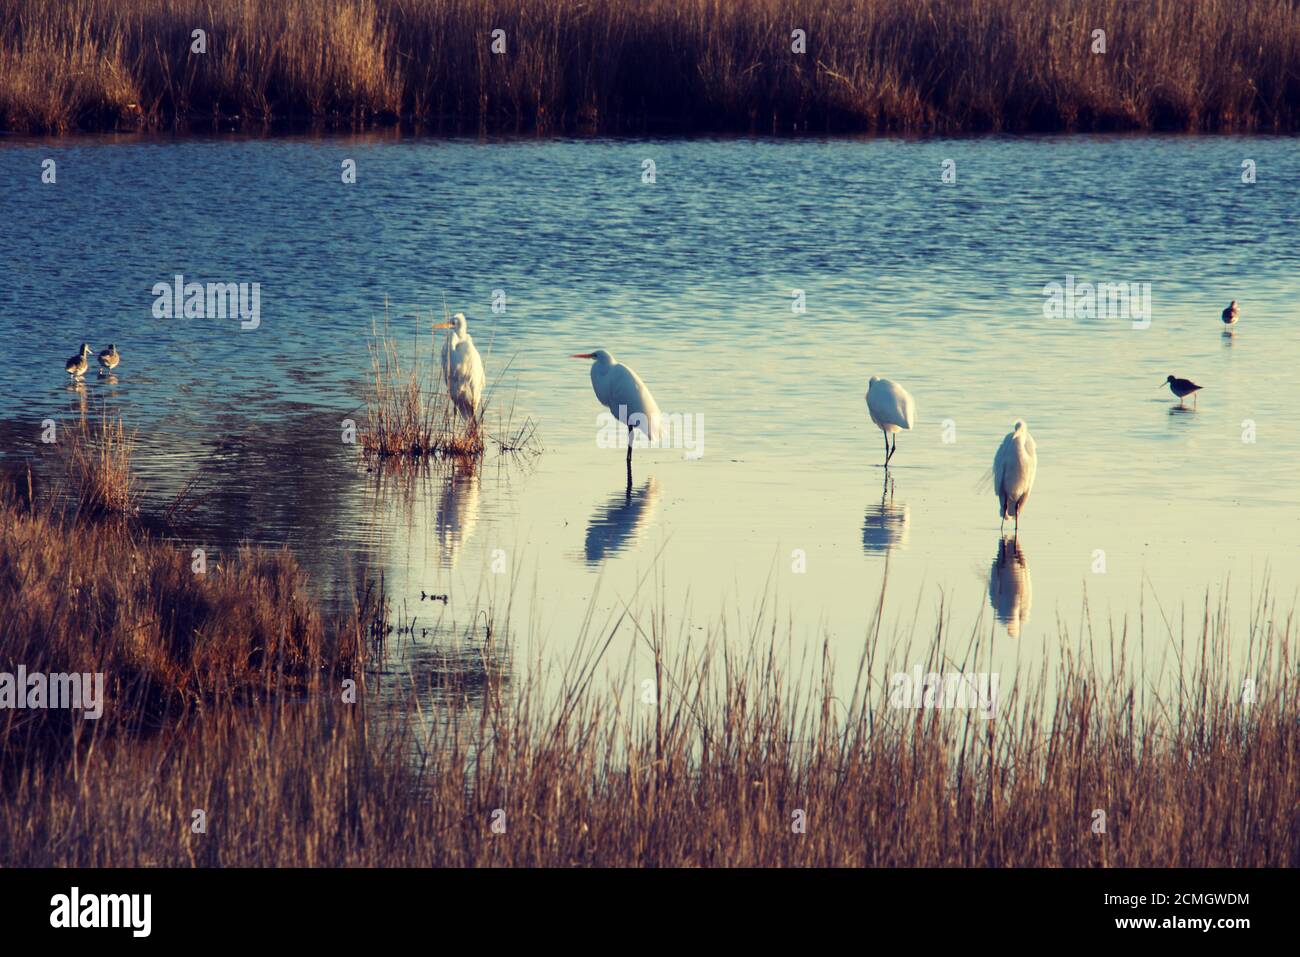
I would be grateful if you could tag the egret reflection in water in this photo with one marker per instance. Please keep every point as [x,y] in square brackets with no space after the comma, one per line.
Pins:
[1010,590]
[885,525]
[457,511]
[618,524]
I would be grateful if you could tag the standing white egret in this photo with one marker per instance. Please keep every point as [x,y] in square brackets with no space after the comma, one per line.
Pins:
[1014,466]
[462,368]
[1231,313]
[621,390]
[892,408]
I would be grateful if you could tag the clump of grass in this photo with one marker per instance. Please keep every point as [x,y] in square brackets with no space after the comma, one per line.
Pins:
[406,414]
[612,66]
[97,461]
[168,627]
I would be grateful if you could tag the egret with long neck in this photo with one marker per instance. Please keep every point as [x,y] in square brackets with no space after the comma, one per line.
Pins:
[621,390]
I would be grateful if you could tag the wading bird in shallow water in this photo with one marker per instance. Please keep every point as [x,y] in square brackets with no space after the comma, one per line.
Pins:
[626,396]
[462,368]
[77,365]
[892,408]
[1183,388]
[109,358]
[1230,314]
[1014,466]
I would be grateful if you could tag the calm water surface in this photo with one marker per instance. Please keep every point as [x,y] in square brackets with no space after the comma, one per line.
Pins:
[690,280]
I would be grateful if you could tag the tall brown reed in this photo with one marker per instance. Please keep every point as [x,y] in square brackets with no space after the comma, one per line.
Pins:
[609,65]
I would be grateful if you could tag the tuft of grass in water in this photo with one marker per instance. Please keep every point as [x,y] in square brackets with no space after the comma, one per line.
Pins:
[409,416]
[611,66]
[97,461]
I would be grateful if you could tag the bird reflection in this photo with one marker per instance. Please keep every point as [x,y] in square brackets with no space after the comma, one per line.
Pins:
[1010,589]
[618,524]
[457,511]
[885,525]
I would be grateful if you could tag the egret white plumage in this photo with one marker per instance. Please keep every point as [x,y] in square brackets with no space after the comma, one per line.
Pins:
[462,368]
[892,408]
[1014,466]
[621,390]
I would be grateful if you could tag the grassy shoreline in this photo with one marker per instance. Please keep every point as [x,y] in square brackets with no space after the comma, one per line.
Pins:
[604,66]
[650,743]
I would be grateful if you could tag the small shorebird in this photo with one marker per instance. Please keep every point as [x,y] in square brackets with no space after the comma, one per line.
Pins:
[1183,388]
[77,365]
[109,358]
[891,408]
[1231,313]
[1014,467]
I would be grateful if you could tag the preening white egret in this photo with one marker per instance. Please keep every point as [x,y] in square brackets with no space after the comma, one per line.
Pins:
[892,408]
[1014,466]
[621,390]
[1183,388]
[462,368]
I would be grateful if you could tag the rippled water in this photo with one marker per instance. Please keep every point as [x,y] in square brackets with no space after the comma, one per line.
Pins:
[691,280]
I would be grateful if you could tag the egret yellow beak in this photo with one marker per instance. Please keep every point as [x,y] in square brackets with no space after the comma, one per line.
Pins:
[583,355]
[443,325]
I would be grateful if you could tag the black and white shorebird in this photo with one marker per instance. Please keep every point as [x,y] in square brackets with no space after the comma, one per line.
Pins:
[1231,313]
[77,365]
[109,358]
[1183,388]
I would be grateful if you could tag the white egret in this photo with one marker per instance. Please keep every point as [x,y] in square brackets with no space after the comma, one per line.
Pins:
[109,358]
[462,368]
[892,408]
[621,390]
[1014,466]
[1183,388]
[1231,313]
[77,365]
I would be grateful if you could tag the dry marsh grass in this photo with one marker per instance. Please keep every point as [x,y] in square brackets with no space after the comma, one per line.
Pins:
[97,464]
[611,66]
[167,633]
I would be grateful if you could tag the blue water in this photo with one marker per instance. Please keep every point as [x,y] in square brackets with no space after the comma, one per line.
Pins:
[691,280]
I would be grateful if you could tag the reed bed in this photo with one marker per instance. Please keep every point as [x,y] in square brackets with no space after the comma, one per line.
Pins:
[169,627]
[610,66]
[644,749]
